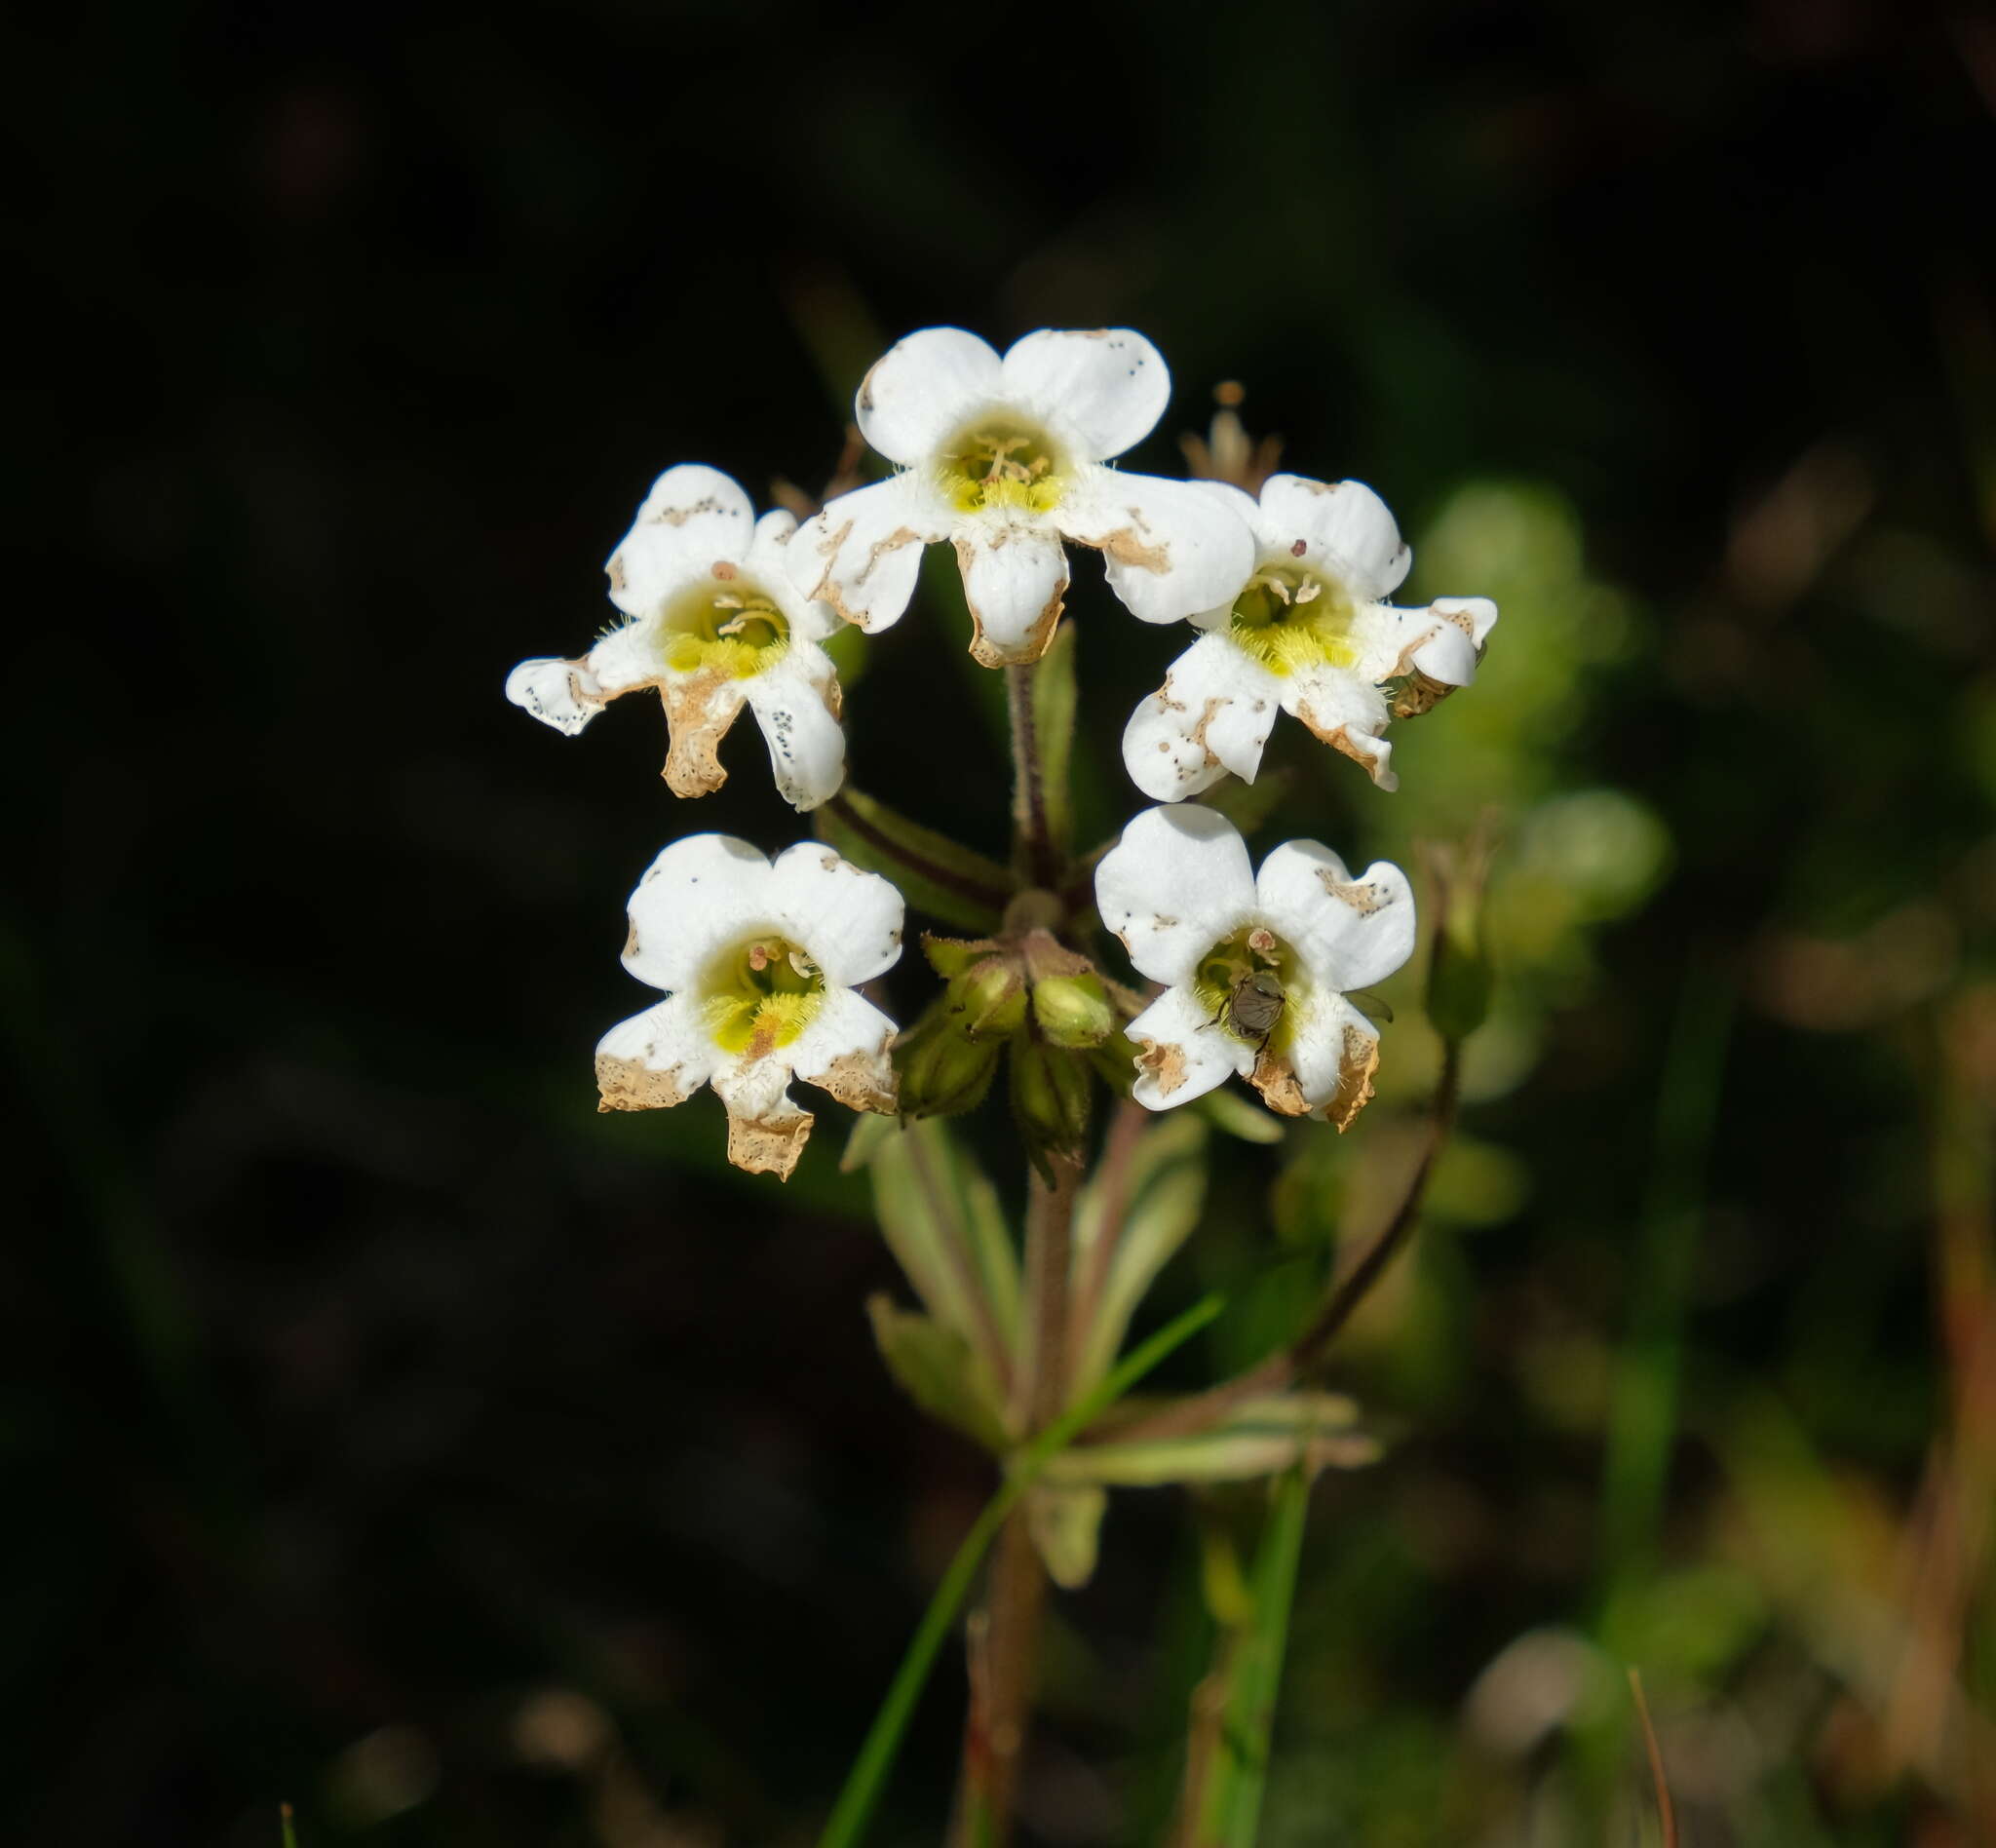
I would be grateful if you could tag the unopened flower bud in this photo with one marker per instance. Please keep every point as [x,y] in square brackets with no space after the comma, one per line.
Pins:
[988,1000]
[1073,1011]
[1050,1097]
[941,1072]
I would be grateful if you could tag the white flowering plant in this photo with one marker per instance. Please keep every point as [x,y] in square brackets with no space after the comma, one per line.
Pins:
[1120,988]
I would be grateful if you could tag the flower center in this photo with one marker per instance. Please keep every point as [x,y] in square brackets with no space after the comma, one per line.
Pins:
[760,995]
[1288,618]
[996,463]
[733,625]
[1244,984]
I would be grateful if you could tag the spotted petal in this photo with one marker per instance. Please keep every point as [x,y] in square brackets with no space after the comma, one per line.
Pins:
[1350,932]
[1347,712]
[844,1051]
[694,517]
[656,1059]
[1176,884]
[1183,1053]
[696,898]
[1168,549]
[1099,392]
[849,921]
[861,554]
[1346,531]
[922,388]
[1014,579]
[1212,716]
[796,705]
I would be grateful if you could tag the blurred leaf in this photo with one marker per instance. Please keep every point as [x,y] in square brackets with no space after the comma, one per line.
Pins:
[1260,1438]
[1066,1522]
[1248,805]
[942,1219]
[938,1371]
[1228,1111]
[932,872]
[1156,1202]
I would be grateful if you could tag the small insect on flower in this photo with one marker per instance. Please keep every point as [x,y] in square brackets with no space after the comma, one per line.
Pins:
[1256,968]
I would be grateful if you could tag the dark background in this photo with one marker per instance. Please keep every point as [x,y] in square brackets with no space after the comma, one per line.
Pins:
[387,1432]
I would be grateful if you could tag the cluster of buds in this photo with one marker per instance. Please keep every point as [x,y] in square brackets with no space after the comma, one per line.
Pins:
[1025,994]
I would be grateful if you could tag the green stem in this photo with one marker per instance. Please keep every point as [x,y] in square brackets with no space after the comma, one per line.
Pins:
[1032,833]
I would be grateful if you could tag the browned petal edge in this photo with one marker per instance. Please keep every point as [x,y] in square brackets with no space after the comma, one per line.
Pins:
[1276,1079]
[988,654]
[769,1145]
[1353,1079]
[627,1084]
[1339,738]
[679,516]
[1413,693]
[1165,1061]
[697,719]
[826,589]
[1364,897]
[861,1081]
[1128,549]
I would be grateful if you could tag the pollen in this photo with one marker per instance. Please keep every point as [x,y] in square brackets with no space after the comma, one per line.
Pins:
[736,626]
[1289,618]
[992,465]
[760,995]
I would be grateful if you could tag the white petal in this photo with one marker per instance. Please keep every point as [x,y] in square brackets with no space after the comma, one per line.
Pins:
[1331,1052]
[921,389]
[769,564]
[844,1051]
[1185,1052]
[861,554]
[656,1059]
[1347,712]
[1100,391]
[697,897]
[849,921]
[563,694]
[1212,714]
[1440,642]
[694,517]
[1015,577]
[794,702]
[1169,548]
[1344,528]
[766,1130]
[1177,882]
[1350,933]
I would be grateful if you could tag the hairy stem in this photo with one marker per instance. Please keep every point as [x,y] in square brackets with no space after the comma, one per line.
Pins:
[1031,831]
[900,852]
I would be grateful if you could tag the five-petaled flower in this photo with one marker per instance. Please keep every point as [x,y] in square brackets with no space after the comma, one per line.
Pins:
[1309,633]
[1005,458]
[715,623]
[1255,967]
[760,961]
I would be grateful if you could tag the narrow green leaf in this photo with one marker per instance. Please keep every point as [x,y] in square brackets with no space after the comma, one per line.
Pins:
[939,1372]
[932,873]
[1160,1193]
[1228,1111]
[1261,1437]
[1231,1814]
[868,1775]
[1054,704]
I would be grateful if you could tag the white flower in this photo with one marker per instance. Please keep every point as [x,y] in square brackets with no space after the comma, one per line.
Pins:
[759,962]
[715,623]
[1004,458]
[1309,633]
[1255,967]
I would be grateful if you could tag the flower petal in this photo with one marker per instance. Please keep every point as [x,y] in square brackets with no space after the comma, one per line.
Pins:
[1185,1052]
[1328,1068]
[563,694]
[1100,390]
[766,1130]
[844,1051]
[1350,933]
[693,517]
[656,1059]
[1442,641]
[849,921]
[1347,712]
[861,554]
[1169,548]
[700,708]
[1014,578]
[922,388]
[1345,530]
[1177,882]
[1212,714]
[701,894]
[769,564]
[796,703]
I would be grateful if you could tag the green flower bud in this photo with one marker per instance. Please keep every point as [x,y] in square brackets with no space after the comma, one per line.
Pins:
[988,1000]
[1050,1097]
[1458,970]
[1073,1011]
[942,1073]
